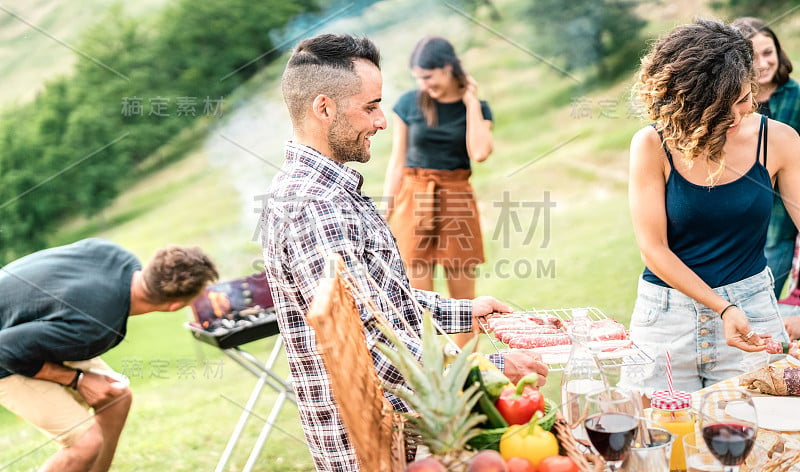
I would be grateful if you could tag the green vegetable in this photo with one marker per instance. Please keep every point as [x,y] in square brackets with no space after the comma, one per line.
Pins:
[494,382]
[487,439]
[484,405]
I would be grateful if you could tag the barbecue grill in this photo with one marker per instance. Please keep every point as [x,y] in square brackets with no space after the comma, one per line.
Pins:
[228,315]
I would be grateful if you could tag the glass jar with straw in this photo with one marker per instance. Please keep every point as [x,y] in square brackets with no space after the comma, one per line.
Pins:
[671,409]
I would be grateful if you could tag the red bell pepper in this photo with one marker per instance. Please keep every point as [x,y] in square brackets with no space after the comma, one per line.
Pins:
[517,405]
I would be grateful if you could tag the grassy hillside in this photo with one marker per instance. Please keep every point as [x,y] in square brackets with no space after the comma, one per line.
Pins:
[554,140]
[38,40]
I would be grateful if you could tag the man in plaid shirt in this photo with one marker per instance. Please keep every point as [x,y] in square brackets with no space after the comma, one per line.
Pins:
[332,87]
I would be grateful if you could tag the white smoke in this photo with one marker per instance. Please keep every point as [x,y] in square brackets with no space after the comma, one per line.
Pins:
[248,143]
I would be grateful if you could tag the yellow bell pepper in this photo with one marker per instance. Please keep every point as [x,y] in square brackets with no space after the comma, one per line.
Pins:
[528,441]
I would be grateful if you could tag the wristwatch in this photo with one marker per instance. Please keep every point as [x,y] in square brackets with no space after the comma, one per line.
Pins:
[78,376]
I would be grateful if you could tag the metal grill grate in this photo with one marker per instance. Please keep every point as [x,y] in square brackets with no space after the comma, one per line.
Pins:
[609,353]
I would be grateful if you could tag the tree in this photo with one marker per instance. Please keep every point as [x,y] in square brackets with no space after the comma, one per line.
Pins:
[768,10]
[212,46]
[587,33]
[72,149]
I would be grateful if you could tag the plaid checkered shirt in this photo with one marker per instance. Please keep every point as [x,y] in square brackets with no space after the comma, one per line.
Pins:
[315,206]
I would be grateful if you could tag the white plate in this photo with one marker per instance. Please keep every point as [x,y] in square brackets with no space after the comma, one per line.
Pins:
[774,413]
[793,360]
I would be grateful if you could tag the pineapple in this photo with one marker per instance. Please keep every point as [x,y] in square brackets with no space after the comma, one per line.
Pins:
[443,416]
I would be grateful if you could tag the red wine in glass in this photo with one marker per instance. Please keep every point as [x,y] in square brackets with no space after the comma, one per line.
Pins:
[611,434]
[730,443]
[729,424]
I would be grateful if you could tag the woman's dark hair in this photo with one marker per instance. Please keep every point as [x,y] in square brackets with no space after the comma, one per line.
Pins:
[435,52]
[690,80]
[750,27]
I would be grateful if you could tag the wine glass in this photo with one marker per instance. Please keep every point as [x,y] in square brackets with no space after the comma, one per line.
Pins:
[729,425]
[611,424]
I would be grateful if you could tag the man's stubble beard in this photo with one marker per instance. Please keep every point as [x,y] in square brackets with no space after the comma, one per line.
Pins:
[343,148]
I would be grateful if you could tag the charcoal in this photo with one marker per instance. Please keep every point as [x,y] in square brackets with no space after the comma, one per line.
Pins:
[239,320]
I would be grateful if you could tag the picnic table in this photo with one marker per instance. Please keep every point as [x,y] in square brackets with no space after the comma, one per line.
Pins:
[733,383]
[786,407]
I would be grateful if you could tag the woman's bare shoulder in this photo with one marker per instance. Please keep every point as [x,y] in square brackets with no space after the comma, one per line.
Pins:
[645,141]
[646,136]
[781,131]
[783,143]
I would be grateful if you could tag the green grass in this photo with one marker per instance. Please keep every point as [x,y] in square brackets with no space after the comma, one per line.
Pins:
[186,402]
[584,254]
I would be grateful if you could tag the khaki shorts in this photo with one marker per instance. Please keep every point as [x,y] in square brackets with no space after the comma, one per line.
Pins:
[58,411]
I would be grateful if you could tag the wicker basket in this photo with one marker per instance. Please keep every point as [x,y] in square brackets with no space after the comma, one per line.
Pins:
[773,452]
[374,429]
[569,447]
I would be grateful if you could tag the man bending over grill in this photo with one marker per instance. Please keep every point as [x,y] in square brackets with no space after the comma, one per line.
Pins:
[332,87]
[62,307]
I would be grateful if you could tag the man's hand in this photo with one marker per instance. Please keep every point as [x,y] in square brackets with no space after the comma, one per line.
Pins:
[739,334]
[520,362]
[97,389]
[483,306]
[792,325]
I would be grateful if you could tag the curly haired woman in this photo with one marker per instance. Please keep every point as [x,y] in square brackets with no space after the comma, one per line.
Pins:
[700,195]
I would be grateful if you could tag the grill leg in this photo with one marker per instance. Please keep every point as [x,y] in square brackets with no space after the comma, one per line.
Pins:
[265,377]
[262,437]
[237,431]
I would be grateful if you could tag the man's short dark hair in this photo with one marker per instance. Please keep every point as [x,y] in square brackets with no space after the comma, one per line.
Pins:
[323,65]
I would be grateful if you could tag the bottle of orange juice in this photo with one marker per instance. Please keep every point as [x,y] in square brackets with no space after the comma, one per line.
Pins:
[673,412]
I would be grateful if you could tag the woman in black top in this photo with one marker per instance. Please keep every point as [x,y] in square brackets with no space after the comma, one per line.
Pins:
[439,129]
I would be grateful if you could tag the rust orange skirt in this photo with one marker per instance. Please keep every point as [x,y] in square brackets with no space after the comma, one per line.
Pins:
[435,219]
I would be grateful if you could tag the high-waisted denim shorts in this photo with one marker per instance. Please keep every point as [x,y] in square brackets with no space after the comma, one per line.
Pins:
[664,318]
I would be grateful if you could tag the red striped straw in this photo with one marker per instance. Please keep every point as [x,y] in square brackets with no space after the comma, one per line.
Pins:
[669,374]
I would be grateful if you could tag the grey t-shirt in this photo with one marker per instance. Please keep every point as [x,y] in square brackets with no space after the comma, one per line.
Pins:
[64,304]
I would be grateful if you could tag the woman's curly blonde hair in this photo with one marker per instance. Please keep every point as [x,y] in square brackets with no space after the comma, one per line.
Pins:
[690,80]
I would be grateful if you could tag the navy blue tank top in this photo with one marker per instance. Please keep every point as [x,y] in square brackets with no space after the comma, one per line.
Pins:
[719,232]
